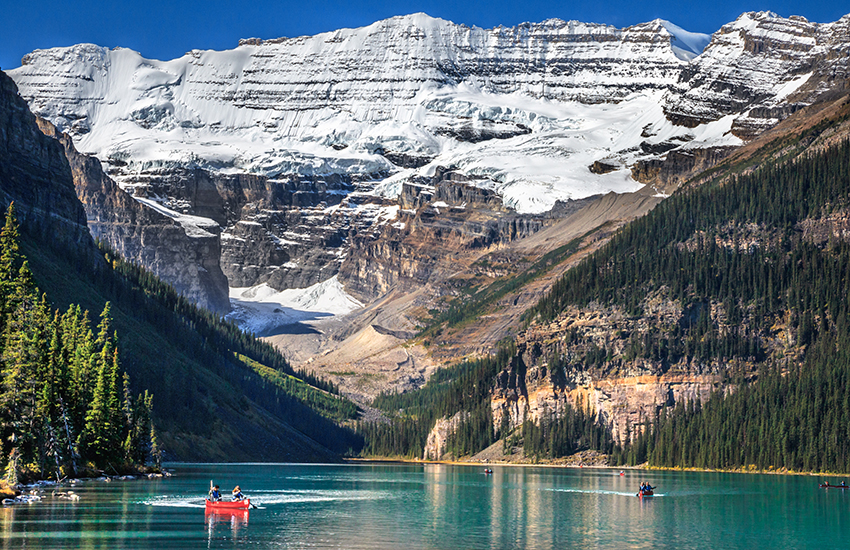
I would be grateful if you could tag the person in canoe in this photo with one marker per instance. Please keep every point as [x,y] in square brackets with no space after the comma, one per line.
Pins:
[237,494]
[646,488]
[215,494]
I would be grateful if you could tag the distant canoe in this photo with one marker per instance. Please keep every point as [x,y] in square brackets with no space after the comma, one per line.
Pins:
[828,486]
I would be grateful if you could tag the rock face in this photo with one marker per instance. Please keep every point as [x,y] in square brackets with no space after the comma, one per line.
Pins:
[35,175]
[621,404]
[437,229]
[595,371]
[765,67]
[435,447]
[286,232]
[676,167]
[189,260]
[371,72]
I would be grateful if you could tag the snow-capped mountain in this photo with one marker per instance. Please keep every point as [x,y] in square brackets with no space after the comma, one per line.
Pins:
[762,67]
[408,90]
[291,145]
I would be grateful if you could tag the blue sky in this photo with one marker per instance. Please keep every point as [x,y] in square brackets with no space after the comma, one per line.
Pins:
[165,29]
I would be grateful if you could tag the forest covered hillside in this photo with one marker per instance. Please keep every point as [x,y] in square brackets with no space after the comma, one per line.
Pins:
[712,332]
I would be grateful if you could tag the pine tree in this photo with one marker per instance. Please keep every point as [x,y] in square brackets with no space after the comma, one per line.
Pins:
[10,263]
[22,358]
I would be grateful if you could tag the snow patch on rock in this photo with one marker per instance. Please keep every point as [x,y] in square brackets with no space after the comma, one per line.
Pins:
[260,309]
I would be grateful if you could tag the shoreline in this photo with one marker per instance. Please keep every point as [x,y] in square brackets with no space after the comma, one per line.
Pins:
[641,467]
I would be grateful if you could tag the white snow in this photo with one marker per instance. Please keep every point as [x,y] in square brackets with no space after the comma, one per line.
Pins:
[261,308]
[194,226]
[790,87]
[336,102]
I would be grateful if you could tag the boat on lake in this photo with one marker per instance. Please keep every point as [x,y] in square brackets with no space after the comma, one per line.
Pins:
[828,486]
[228,505]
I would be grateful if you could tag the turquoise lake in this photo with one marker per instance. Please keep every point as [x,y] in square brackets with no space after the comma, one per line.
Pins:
[439,507]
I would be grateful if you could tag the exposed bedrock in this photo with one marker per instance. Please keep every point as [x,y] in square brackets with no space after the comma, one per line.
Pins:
[187,258]
[623,392]
[676,167]
[748,64]
[438,230]
[283,231]
[35,174]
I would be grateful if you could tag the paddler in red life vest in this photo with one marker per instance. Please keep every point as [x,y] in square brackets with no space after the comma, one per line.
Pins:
[237,494]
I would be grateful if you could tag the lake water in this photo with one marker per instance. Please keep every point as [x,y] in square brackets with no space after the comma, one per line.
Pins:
[437,507]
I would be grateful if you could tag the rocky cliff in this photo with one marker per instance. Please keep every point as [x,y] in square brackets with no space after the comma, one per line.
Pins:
[440,227]
[35,175]
[584,361]
[187,257]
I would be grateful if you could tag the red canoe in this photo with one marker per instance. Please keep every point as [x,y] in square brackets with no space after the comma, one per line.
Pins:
[229,505]
[642,494]
[828,486]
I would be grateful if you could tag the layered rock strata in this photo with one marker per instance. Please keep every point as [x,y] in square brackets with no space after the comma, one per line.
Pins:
[439,229]
[764,67]
[187,257]
[596,373]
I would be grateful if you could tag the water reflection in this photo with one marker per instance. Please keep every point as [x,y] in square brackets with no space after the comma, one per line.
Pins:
[224,524]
